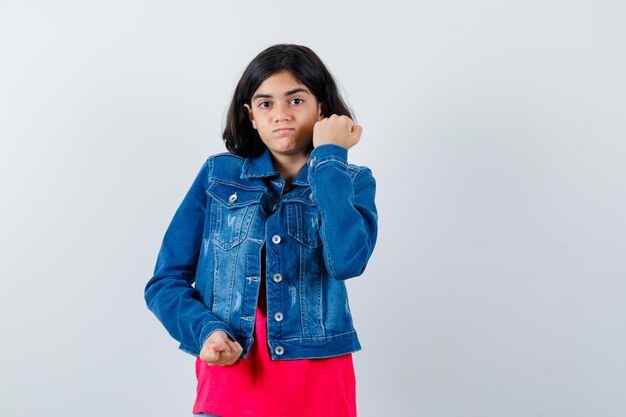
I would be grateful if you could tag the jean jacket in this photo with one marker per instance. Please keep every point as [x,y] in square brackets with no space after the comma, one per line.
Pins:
[317,232]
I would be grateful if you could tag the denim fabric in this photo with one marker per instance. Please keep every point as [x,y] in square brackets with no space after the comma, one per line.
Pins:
[318,232]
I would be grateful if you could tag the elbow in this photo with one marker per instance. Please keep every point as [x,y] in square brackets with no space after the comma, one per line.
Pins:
[352,265]
[151,291]
[345,273]
[349,259]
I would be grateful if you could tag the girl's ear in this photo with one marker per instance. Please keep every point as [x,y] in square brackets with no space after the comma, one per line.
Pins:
[321,109]
[250,115]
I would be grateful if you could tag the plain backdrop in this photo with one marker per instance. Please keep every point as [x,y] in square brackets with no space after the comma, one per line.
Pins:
[496,132]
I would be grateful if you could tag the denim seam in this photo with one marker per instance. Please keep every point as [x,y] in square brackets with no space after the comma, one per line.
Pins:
[302,294]
[207,325]
[231,285]
[320,301]
[331,267]
[315,337]
[209,169]
[236,185]
[325,161]
[323,356]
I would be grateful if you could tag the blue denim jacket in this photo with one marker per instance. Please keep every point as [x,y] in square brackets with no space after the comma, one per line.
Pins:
[318,232]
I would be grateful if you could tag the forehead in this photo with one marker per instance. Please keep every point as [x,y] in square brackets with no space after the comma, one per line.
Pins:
[279,83]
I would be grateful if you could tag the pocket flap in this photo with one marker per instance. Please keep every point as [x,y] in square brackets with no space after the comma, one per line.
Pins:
[233,196]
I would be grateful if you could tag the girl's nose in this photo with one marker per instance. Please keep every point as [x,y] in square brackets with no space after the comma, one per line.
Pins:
[282,113]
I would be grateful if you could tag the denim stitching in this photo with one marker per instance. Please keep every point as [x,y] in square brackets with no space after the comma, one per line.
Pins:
[315,337]
[325,161]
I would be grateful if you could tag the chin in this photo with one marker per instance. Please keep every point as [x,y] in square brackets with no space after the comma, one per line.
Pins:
[290,151]
[286,147]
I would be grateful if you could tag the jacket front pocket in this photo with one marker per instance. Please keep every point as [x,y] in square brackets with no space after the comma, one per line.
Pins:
[303,223]
[232,211]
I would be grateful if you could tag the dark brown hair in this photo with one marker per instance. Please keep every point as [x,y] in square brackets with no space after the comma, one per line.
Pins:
[306,67]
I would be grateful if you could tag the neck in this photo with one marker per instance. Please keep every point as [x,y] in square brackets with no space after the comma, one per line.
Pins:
[289,166]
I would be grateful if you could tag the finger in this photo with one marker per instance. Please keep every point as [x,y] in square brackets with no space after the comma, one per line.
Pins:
[227,347]
[237,350]
[217,357]
[232,352]
[209,356]
[232,361]
[356,131]
[217,346]
[227,358]
[225,354]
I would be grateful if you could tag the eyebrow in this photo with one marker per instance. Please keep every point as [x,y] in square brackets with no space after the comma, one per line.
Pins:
[288,93]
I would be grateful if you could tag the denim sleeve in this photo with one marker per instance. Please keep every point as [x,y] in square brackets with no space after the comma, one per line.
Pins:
[169,294]
[346,203]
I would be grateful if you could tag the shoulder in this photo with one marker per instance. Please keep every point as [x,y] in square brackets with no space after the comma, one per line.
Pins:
[224,164]
[225,158]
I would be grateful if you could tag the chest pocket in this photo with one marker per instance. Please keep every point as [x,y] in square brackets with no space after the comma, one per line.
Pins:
[232,212]
[303,222]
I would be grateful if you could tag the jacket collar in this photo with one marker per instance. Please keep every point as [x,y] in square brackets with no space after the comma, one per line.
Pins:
[259,167]
[262,167]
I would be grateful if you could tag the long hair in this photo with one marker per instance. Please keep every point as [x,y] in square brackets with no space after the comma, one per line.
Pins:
[306,67]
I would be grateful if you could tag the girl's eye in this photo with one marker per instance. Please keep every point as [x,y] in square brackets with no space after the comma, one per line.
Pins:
[264,104]
[296,101]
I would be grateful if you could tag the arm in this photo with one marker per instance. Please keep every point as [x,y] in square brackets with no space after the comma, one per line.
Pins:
[169,293]
[346,203]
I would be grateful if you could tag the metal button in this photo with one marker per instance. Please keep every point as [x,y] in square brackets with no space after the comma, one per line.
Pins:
[232,198]
[279,350]
[312,161]
[277,277]
[276,239]
[311,196]
[278,316]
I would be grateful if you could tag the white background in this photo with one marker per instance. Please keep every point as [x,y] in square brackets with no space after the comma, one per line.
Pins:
[496,132]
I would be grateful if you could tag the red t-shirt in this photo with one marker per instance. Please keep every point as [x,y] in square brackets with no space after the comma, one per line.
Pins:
[260,387]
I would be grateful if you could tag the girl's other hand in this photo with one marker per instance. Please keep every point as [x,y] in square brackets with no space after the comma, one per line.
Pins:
[336,130]
[218,349]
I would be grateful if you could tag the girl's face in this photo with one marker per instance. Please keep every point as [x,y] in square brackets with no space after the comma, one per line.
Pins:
[284,112]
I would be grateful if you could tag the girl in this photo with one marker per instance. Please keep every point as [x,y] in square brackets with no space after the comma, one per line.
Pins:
[250,275]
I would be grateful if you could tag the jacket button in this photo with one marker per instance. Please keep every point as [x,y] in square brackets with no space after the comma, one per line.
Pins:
[277,277]
[279,350]
[276,239]
[278,316]
[311,196]
[312,162]
[232,198]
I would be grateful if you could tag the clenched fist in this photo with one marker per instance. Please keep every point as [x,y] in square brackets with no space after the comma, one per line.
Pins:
[218,349]
[336,130]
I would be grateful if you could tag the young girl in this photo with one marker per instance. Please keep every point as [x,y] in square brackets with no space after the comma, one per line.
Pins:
[250,275]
